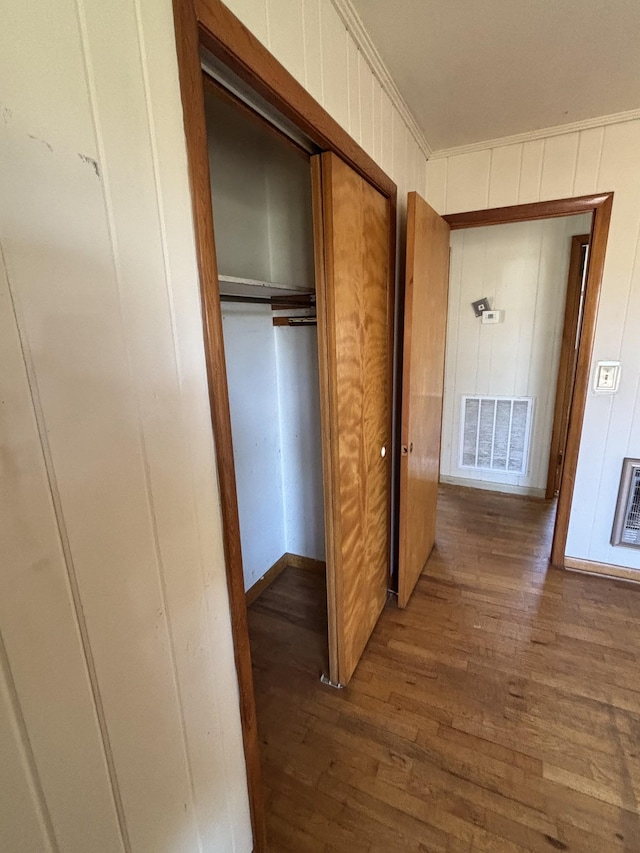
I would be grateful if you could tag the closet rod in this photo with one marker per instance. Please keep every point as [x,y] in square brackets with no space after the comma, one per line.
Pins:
[265,300]
[295,321]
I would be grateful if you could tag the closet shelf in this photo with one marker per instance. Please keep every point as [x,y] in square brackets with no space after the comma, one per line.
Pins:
[233,286]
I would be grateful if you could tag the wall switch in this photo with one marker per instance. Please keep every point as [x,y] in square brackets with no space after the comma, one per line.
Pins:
[607,377]
[492,316]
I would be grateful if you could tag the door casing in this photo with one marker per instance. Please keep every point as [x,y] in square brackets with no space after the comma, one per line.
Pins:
[599,205]
[568,359]
[209,24]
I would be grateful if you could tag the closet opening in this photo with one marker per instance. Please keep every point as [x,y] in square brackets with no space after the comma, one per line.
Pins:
[261,191]
[344,272]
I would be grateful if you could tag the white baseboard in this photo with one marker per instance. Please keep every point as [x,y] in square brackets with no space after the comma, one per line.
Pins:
[488,486]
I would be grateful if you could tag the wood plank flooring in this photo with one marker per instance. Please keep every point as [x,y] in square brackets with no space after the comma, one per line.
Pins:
[498,713]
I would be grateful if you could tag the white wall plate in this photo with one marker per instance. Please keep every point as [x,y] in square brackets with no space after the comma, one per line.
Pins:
[606,378]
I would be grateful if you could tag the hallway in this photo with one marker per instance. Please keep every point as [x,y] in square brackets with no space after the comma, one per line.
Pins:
[499,712]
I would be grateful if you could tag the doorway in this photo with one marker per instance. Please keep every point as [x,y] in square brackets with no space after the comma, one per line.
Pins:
[501,367]
[353,213]
[488,430]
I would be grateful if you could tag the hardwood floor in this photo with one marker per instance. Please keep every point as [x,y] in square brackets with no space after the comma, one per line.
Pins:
[498,713]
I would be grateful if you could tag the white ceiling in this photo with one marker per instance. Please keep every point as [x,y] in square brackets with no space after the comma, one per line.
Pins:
[472,70]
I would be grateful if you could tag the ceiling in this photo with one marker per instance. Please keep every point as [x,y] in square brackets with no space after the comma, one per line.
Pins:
[473,70]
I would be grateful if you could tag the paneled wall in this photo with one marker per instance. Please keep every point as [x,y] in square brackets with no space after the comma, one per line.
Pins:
[119,722]
[113,601]
[594,160]
[521,268]
[309,38]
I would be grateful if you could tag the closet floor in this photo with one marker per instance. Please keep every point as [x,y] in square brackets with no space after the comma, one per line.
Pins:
[499,712]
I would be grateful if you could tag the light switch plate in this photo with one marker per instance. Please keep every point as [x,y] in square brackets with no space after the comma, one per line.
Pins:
[492,317]
[607,377]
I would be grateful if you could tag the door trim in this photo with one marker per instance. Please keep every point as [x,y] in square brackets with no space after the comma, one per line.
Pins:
[600,205]
[564,385]
[209,24]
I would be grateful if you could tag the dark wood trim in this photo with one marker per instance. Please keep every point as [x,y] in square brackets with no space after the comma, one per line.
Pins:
[231,42]
[297,561]
[526,212]
[595,269]
[267,579]
[600,205]
[192,91]
[320,174]
[567,363]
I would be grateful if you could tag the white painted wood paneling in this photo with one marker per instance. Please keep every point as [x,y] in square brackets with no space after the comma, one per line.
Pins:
[505,174]
[353,82]
[558,167]
[42,660]
[367,117]
[530,171]
[593,160]
[468,182]
[286,39]
[313,49]
[117,470]
[335,64]
[129,604]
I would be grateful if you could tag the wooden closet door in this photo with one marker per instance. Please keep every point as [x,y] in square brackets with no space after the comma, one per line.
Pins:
[425,322]
[355,320]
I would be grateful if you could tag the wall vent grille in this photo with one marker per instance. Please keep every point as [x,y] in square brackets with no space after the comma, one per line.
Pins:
[495,433]
[626,523]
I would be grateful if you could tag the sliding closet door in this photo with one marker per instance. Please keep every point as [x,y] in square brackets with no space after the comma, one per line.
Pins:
[425,322]
[353,260]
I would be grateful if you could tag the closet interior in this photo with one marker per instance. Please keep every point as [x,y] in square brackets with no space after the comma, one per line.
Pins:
[262,202]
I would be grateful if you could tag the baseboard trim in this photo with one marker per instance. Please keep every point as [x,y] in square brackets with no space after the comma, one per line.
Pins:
[299,562]
[605,570]
[296,561]
[488,486]
[267,579]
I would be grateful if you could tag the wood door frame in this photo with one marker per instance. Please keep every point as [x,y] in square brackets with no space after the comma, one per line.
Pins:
[564,385]
[209,24]
[600,205]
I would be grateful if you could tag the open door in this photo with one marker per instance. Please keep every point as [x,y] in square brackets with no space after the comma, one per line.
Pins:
[425,321]
[352,222]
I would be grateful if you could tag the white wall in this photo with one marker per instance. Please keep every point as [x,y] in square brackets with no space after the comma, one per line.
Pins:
[274,397]
[522,269]
[299,397]
[250,352]
[113,601]
[593,160]
[119,723]
[262,207]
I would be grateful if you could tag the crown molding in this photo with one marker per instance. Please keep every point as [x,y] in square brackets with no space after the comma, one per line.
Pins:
[355,27]
[557,130]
